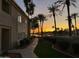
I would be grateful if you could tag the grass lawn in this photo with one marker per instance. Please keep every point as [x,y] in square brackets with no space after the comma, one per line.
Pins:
[44,50]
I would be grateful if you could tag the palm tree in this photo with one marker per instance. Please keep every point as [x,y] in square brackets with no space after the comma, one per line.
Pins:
[68,3]
[74,15]
[53,9]
[34,24]
[41,19]
[30,10]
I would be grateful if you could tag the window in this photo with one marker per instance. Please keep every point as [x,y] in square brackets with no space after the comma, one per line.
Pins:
[19,19]
[26,21]
[6,6]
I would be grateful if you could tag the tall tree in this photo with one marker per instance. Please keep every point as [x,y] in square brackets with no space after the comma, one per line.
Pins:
[30,10]
[53,9]
[74,15]
[67,3]
[41,18]
[34,24]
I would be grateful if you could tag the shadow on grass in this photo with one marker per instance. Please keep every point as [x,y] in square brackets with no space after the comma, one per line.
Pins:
[44,50]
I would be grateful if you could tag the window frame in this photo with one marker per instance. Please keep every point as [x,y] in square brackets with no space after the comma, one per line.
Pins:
[6,7]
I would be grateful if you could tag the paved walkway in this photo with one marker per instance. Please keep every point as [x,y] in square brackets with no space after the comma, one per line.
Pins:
[28,51]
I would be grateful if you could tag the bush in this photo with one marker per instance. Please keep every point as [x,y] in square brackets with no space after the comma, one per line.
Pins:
[32,37]
[24,42]
[75,47]
[46,38]
[64,45]
[53,40]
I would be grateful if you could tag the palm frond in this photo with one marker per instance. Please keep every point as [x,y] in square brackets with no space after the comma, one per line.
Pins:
[57,9]
[58,2]
[74,1]
[26,2]
[63,7]
[50,9]
[73,4]
[41,17]
[74,15]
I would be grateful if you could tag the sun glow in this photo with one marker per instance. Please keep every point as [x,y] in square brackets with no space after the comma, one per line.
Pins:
[63,24]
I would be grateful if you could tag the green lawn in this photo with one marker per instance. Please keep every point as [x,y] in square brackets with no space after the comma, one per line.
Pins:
[44,50]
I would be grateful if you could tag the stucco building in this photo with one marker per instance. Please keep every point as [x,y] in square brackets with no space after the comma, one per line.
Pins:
[10,13]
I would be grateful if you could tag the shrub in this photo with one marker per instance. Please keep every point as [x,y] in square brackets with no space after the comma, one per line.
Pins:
[46,38]
[24,42]
[32,37]
[64,45]
[53,40]
[75,47]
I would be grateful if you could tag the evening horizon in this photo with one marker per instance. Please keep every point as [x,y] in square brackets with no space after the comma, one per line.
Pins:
[42,8]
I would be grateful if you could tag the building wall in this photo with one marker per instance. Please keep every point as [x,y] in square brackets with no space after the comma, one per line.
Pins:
[9,21]
[22,30]
[0,30]
[0,4]
[22,27]
[0,40]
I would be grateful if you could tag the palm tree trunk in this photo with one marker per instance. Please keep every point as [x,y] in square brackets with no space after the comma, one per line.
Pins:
[28,28]
[69,20]
[38,29]
[42,29]
[54,21]
[75,26]
[33,32]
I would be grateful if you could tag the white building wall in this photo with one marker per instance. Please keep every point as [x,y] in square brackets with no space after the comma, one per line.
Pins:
[0,40]
[22,27]
[9,21]
[0,4]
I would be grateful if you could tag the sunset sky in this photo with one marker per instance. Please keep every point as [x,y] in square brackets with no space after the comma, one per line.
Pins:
[42,7]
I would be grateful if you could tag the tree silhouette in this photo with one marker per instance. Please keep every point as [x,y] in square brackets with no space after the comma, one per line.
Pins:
[30,10]
[53,9]
[34,24]
[68,3]
[41,19]
[74,15]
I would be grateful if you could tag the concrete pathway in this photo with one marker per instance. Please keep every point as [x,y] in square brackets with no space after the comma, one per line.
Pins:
[28,51]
